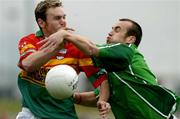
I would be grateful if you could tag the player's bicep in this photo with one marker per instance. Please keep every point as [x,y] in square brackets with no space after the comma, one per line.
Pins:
[114,58]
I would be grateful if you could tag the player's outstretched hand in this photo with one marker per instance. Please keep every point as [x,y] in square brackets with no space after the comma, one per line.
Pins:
[104,109]
[56,40]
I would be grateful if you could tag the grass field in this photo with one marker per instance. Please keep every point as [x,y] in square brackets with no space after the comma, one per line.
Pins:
[9,109]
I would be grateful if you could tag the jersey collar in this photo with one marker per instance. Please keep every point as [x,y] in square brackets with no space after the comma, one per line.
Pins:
[133,46]
[39,33]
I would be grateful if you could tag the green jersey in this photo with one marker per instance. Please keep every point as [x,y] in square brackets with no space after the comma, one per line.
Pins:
[128,73]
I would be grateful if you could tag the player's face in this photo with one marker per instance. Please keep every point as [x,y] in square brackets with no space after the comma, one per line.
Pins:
[55,20]
[118,32]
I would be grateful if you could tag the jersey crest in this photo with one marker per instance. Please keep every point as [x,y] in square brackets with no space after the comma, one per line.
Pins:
[62,52]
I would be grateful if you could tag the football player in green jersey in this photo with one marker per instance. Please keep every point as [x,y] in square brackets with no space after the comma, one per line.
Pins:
[135,92]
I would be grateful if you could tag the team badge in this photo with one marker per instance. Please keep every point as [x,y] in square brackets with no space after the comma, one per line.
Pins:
[61,54]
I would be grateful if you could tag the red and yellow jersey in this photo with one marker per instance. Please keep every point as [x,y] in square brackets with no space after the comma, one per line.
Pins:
[70,55]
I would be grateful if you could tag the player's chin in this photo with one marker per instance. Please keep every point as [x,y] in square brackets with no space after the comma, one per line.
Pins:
[107,41]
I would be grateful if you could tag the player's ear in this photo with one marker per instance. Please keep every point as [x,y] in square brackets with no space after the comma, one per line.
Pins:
[41,23]
[131,39]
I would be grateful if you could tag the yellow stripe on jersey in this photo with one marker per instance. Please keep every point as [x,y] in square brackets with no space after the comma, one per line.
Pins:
[27,51]
[28,46]
[67,61]
[31,79]
[85,62]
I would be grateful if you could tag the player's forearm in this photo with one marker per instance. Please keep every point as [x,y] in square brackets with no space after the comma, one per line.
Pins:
[83,43]
[90,98]
[37,59]
[86,99]
[104,91]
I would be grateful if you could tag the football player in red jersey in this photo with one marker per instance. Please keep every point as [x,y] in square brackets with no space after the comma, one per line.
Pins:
[35,63]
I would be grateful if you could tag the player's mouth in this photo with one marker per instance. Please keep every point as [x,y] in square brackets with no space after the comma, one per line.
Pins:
[108,39]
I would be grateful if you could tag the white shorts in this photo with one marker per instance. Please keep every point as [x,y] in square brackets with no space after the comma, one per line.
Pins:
[26,114]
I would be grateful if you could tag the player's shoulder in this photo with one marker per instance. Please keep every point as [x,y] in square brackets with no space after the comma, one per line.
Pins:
[30,37]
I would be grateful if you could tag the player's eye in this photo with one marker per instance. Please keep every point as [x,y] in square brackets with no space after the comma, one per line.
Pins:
[64,17]
[117,29]
[58,17]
